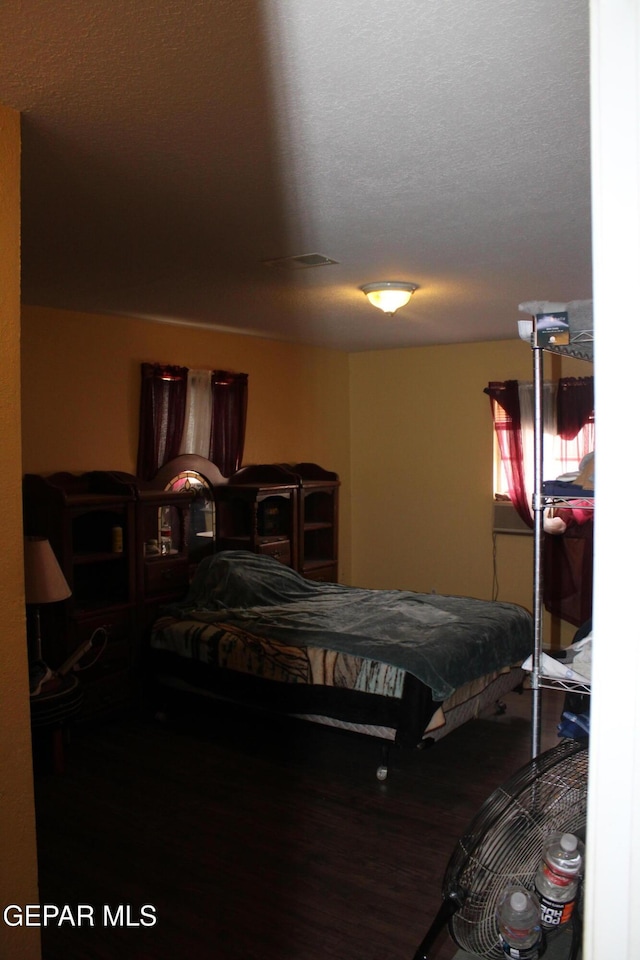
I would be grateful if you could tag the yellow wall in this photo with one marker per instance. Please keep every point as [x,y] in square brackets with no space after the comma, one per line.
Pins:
[81,376]
[18,874]
[422,469]
[409,431]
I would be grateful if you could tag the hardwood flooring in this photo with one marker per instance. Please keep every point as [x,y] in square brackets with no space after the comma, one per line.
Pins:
[262,839]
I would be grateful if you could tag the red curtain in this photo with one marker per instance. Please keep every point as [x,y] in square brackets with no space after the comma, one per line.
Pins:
[575,405]
[505,410]
[567,559]
[568,573]
[228,420]
[163,397]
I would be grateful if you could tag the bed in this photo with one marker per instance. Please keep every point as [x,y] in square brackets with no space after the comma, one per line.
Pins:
[402,666]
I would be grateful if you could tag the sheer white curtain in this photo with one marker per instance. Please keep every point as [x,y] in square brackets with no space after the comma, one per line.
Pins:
[196,435]
[549,428]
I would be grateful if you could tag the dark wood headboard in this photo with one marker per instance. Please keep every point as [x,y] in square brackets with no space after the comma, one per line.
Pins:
[191,462]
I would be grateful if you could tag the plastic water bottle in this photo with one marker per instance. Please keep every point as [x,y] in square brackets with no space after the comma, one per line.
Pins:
[558,878]
[518,917]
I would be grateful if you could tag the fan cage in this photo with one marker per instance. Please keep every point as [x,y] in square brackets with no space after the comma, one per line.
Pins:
[503,844]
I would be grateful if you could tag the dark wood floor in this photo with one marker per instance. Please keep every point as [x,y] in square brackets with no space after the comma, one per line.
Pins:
[268,840]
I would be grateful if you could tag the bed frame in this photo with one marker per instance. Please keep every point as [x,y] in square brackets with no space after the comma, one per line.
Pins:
[412,719]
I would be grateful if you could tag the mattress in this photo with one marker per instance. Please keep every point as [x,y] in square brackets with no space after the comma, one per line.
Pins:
[267,619]
[395,664]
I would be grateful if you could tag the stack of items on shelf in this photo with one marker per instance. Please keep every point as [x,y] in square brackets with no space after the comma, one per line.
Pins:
[575,663]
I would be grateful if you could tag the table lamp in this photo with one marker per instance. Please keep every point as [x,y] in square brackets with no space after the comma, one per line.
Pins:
[44,582]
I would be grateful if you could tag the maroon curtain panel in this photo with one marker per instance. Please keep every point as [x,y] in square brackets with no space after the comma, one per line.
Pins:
[568,573]
[567,562]
[228,420]
[568,559]
[163,397]
[575,405]
[505,410]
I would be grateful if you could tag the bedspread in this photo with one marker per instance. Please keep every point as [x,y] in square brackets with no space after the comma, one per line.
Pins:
[444,641]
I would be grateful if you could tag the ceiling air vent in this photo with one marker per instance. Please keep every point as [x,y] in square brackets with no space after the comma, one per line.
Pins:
[299,263]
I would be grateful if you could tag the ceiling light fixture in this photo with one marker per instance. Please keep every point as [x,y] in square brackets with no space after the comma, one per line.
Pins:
[389,295]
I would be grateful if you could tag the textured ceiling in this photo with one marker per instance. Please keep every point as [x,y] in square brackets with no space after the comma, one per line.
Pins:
[171,147]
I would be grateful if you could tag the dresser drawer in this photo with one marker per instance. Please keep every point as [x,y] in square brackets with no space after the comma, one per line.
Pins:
[118,623]
[324,574]
[166,576]
[278,549]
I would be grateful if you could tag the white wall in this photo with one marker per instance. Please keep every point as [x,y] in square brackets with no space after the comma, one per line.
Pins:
[612,914]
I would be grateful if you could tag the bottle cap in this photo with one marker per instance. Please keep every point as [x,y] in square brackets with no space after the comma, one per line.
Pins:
[569,842]
[518,901]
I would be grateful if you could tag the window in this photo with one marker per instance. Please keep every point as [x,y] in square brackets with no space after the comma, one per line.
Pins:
[568,434]
[559,456]
[182,409]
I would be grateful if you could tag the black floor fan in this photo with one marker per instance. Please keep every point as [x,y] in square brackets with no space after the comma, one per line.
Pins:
[503,845]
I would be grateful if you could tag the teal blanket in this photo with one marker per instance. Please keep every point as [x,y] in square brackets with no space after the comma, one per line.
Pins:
[444,641]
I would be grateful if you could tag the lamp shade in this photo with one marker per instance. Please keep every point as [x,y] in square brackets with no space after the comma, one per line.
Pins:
[44,581]
[389,295]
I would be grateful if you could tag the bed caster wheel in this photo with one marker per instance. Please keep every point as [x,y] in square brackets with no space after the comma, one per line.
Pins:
[382,773]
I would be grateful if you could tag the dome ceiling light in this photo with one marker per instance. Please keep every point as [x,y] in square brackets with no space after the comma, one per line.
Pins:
[389,295]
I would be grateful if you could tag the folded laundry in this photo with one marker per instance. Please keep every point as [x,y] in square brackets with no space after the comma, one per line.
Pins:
[565,488]
[556,669]
[580,483]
